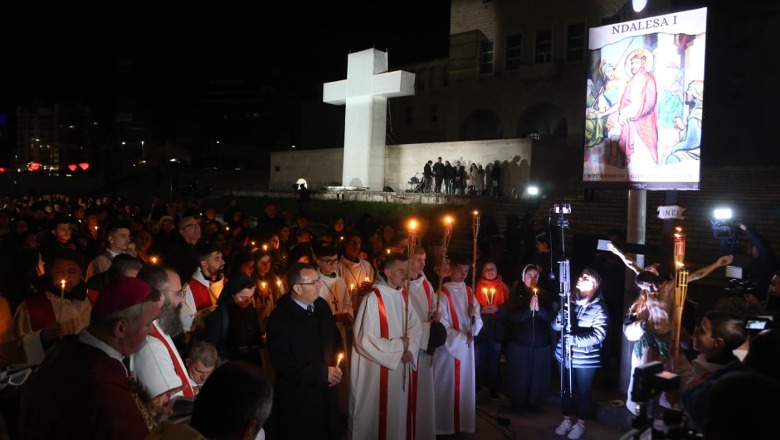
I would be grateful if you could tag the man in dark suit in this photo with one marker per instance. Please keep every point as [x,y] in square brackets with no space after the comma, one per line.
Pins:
[306,350]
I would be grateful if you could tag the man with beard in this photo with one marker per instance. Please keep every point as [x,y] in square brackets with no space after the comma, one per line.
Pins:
[204,286]
[158,365]
[60,308]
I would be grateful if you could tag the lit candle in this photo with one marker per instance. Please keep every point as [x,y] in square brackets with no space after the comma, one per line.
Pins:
[96,228]
[253,243]
[351,288]
[263,286]
[153,260]
[62,290]
[227,228]
[338,360]
[368,280]
[265,247]
[492,295]
[279,284]
[388,251]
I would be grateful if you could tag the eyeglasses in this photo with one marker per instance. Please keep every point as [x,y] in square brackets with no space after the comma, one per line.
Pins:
[178,293]
[317,281]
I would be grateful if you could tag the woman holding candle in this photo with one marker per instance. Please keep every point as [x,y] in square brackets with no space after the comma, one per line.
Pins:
[528,341]
[491,293]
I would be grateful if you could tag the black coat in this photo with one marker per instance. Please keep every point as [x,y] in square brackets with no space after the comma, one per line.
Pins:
[524,327]
[301,348]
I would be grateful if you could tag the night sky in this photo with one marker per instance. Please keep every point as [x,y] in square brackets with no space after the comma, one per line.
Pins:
[70,52]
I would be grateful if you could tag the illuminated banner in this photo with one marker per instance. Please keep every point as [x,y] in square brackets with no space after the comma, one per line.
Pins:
[644,101]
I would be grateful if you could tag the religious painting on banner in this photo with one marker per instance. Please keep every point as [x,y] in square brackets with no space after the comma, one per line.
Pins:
[644,102]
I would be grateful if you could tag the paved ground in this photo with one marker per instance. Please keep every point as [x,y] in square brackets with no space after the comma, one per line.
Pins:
[612,420]
[610,423]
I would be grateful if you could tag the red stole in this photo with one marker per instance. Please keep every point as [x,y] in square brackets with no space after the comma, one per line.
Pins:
[185,380]
[456,326]
[200,294]
[411,396]
[384,332]
[428,293]
[92,294]
[40,310]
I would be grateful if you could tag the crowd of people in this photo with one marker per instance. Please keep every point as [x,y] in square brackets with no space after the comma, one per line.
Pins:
[369,335]
[453,178]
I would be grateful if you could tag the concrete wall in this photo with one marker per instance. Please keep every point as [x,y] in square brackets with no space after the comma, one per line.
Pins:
[323,167]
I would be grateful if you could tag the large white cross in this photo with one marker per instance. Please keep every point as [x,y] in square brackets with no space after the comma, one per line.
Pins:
[365,93]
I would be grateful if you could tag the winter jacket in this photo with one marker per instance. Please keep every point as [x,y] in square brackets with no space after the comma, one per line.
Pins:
[588,330]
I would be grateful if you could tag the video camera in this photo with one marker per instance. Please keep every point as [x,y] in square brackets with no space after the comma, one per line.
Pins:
[650,380]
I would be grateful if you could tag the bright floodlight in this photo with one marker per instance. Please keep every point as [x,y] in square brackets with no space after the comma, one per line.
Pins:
[721,213]
[533,191]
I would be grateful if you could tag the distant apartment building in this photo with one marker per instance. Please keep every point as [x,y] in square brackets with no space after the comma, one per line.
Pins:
[50,137]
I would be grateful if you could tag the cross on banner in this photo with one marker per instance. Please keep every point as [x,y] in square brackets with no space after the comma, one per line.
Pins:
[365,93]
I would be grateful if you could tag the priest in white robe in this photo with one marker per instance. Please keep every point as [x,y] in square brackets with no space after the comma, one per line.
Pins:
[454,363]
[422,297]
[383,359]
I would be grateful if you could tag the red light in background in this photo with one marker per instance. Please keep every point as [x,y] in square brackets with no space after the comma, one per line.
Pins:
[72,167]
[34,166]
[84,166]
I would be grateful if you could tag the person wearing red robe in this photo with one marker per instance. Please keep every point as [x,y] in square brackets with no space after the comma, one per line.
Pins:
[637,111]
[83,389]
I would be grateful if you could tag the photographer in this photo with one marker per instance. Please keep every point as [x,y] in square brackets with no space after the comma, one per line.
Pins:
[762,263]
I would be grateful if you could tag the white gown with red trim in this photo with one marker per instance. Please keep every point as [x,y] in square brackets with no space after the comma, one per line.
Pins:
[377,411]
[454,364]
[423,300]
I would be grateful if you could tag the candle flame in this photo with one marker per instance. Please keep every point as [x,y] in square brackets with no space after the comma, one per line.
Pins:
[448,220]
[265,247]
[338,360]
[154,260]
[476,213]
[412,224]
[63,283]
